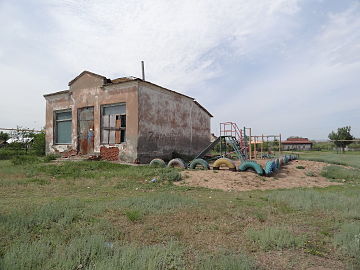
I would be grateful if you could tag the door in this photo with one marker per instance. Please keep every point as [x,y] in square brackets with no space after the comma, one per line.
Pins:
[86,130]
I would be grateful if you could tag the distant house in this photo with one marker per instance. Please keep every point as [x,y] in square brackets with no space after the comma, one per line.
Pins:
[296,143]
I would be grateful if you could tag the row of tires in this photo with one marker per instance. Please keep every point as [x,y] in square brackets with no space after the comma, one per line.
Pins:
[271,166]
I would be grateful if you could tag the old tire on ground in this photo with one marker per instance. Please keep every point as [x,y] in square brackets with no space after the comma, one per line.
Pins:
[224,161]
[157,162]
[176,163]
[199,162]
[269,167]
[246,165]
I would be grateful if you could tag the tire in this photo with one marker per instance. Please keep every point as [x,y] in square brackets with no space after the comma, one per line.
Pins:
[201,162]
[224,161]
[251,165]
[269,167]
[157,162]
[176,163]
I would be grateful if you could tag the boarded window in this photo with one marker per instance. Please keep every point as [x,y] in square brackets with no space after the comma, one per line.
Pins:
[63,123]
[113,124]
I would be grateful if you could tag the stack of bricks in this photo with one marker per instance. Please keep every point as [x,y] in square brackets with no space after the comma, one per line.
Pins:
[111,153]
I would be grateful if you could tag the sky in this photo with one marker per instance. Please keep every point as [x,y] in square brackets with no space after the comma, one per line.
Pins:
[277,66]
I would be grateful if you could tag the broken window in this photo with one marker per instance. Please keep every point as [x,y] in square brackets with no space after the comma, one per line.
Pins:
[113,124]
[63,123]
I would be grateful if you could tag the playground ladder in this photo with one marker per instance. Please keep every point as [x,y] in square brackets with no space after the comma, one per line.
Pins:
[235,145]
[231,129]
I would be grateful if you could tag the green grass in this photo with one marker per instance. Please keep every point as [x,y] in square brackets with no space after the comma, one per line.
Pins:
[101,215]
[348,240]
[341,173]
[347,159]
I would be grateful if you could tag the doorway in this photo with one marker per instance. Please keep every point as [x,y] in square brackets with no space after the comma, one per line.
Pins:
[86,130]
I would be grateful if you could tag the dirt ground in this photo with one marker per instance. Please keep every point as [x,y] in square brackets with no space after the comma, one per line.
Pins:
[288,177]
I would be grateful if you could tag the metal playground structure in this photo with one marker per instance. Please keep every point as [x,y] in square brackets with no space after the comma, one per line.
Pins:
[239,144]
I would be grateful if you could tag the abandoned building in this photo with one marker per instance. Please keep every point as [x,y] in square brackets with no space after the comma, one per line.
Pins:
[296,143]
[126,119]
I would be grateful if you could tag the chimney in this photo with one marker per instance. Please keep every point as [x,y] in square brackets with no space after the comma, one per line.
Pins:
[143,70]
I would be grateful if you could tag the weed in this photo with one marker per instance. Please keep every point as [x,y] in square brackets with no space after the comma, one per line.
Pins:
[348,239]
[133,215]
[226,261]
[274,238]
[300,167]
[170,175]
[91,252]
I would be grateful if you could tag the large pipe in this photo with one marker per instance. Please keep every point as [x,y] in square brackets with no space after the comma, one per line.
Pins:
[143,70]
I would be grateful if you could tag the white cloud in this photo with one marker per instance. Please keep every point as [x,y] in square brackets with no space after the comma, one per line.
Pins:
[287,74]
[179,40]
[304,93]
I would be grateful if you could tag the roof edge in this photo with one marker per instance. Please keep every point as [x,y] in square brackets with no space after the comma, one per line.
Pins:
[203,108]
[57,93]
[86,72]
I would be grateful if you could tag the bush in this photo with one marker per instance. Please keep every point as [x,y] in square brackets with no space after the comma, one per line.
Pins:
[6,153]
[24,159]
[133,215]
[38,144]
[172,176]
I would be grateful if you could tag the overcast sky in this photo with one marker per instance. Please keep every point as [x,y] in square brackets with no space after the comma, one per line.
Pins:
[278,66]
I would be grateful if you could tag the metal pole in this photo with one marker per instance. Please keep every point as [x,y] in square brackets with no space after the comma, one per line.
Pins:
[262,145]
[280,144]
[143,70]
[250,154]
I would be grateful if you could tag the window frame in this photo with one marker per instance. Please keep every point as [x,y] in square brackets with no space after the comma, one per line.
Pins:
[102,107]
[55,126]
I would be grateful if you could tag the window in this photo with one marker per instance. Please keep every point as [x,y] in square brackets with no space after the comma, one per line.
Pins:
[63,120]
[113,124]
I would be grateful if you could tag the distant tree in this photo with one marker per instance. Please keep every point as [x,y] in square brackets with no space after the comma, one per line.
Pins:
[4,136]
[341,134]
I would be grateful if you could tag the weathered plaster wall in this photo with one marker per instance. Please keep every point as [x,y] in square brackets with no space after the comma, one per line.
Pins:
[169,122]
[88,90]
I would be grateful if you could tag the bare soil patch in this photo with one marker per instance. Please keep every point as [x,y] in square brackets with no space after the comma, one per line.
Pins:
[288,177]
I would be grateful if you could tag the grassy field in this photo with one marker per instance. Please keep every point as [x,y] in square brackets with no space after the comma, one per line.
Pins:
[349,159]
[99,215]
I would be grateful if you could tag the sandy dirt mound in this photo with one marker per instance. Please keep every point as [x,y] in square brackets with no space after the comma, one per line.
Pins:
[288,177]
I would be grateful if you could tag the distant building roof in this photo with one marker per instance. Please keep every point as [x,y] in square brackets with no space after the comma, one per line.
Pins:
[297,141]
